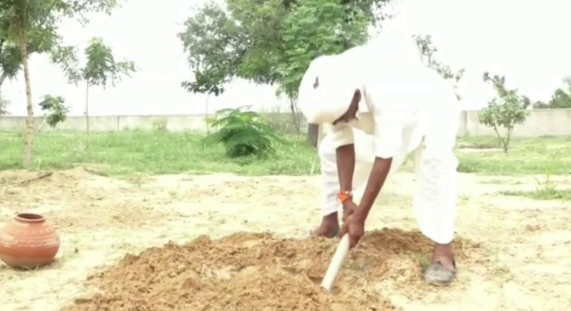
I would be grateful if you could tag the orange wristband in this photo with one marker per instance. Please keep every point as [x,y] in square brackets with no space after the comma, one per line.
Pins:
[343,196]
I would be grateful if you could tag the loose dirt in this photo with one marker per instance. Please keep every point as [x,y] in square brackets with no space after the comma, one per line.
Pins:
[512,252]
[256,272]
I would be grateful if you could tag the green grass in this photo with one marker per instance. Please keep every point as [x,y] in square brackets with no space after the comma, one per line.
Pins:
[139,152]
[542,155]
[545,190]
[541,194]
[154,152]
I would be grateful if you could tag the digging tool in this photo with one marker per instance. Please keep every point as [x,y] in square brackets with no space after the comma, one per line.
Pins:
[336,263]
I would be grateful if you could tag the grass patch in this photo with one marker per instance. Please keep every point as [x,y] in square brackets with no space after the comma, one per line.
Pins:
[542,155]
[477,143]
[545,190]
[541,194]
[129,153]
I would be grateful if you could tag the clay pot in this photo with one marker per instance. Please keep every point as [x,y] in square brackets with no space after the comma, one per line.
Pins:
[28,241]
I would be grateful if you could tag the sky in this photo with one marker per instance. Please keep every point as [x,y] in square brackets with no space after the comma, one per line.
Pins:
[521,39]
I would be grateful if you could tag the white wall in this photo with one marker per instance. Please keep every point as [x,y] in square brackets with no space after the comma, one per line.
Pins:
[553,122]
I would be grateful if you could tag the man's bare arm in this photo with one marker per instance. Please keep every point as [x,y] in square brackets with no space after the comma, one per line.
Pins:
[377,178]
[346,166]
[344,144]
[388,130]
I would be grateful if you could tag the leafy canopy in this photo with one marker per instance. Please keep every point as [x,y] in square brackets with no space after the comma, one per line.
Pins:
[314,28]
[101,66]
[270,41]
[40,20]
[561,98]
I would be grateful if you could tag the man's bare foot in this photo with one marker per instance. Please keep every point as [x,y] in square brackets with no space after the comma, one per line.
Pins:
[329,227]
[442,271]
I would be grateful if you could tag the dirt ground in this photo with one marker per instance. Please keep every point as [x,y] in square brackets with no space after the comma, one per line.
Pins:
[513,252]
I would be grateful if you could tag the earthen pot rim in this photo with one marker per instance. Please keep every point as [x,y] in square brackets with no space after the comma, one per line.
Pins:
[30,218]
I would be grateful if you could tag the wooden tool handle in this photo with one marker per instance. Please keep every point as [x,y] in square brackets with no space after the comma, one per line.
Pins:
[336,263]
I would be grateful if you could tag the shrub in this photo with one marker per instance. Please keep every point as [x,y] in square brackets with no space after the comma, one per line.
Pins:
[56,111]
[243,133]
[506,111]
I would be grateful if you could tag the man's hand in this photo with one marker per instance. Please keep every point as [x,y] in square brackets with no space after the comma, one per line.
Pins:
[354,220]
[349,207]
[354,226]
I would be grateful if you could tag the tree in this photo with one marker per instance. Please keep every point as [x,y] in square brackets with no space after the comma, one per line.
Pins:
[314,28]
[10,60]
[100,69]
[561,98]
[22,15]
[3,106]
[55,110]
[505,111]
[427,53]
[22,19]
[39,40]
[271,41]
[209,77]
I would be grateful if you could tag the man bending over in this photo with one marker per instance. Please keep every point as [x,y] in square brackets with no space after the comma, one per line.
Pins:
[406,107]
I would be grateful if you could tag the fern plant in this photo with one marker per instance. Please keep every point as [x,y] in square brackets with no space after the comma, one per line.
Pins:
[242,133]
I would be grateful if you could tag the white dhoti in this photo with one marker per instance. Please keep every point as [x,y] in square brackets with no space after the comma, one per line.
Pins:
[434,200]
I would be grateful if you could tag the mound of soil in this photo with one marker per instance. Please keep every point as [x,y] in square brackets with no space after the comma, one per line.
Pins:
[254,272]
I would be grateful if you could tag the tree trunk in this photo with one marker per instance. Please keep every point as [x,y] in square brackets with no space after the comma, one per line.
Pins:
[21,24]
[206,115]
[42,124]
[87,115]
[320,135]
[295,116]
[312,134]
[3,107]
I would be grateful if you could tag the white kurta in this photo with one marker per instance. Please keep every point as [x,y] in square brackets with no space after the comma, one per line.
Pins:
[400,109]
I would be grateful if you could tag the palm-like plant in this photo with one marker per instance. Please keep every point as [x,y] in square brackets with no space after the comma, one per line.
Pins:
[243,133]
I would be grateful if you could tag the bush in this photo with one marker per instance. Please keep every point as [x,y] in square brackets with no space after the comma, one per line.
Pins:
[506,111]
[243,133]
[56,111]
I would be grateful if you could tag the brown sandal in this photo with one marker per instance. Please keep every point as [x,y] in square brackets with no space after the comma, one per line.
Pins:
[437,275]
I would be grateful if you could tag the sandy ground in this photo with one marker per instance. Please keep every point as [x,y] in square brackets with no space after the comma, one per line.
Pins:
[514,251]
